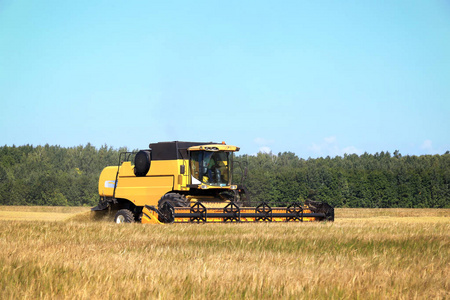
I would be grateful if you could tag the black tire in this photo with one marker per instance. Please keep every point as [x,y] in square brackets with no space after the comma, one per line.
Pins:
[142,162]
[124,216]
[167,203]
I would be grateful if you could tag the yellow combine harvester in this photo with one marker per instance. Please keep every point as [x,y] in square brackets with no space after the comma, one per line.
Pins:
[180,182]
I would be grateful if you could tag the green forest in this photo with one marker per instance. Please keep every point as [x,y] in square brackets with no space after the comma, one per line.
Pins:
[54,175]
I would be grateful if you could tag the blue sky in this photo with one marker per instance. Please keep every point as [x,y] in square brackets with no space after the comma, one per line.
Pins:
[316,78]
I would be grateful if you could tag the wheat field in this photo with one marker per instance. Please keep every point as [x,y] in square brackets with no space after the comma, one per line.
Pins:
[364,254]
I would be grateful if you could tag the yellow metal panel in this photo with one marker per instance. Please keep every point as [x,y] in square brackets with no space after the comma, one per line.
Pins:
[126,169]
[146,189]
[149,217]
[164,167]
[106,181]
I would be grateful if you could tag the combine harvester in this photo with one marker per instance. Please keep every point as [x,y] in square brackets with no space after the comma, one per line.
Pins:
[182,182]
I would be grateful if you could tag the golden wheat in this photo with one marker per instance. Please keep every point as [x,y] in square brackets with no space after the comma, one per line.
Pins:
[40,213]
[374,256]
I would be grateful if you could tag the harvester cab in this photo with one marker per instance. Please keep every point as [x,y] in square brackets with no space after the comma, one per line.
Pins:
[175,182]
[211,166]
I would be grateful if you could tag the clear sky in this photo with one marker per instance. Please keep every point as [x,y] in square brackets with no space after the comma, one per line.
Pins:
[315,78]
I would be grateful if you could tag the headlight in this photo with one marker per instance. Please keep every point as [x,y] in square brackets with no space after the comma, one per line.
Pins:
[204,186]
[233,187]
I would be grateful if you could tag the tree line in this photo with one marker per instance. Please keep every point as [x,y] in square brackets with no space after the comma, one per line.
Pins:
[53,175]
[378,180]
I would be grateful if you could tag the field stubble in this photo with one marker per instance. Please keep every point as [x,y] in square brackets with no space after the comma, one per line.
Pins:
[395,254]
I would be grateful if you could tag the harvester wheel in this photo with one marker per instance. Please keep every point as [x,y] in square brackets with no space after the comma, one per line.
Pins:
[124,216]
[175,200]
